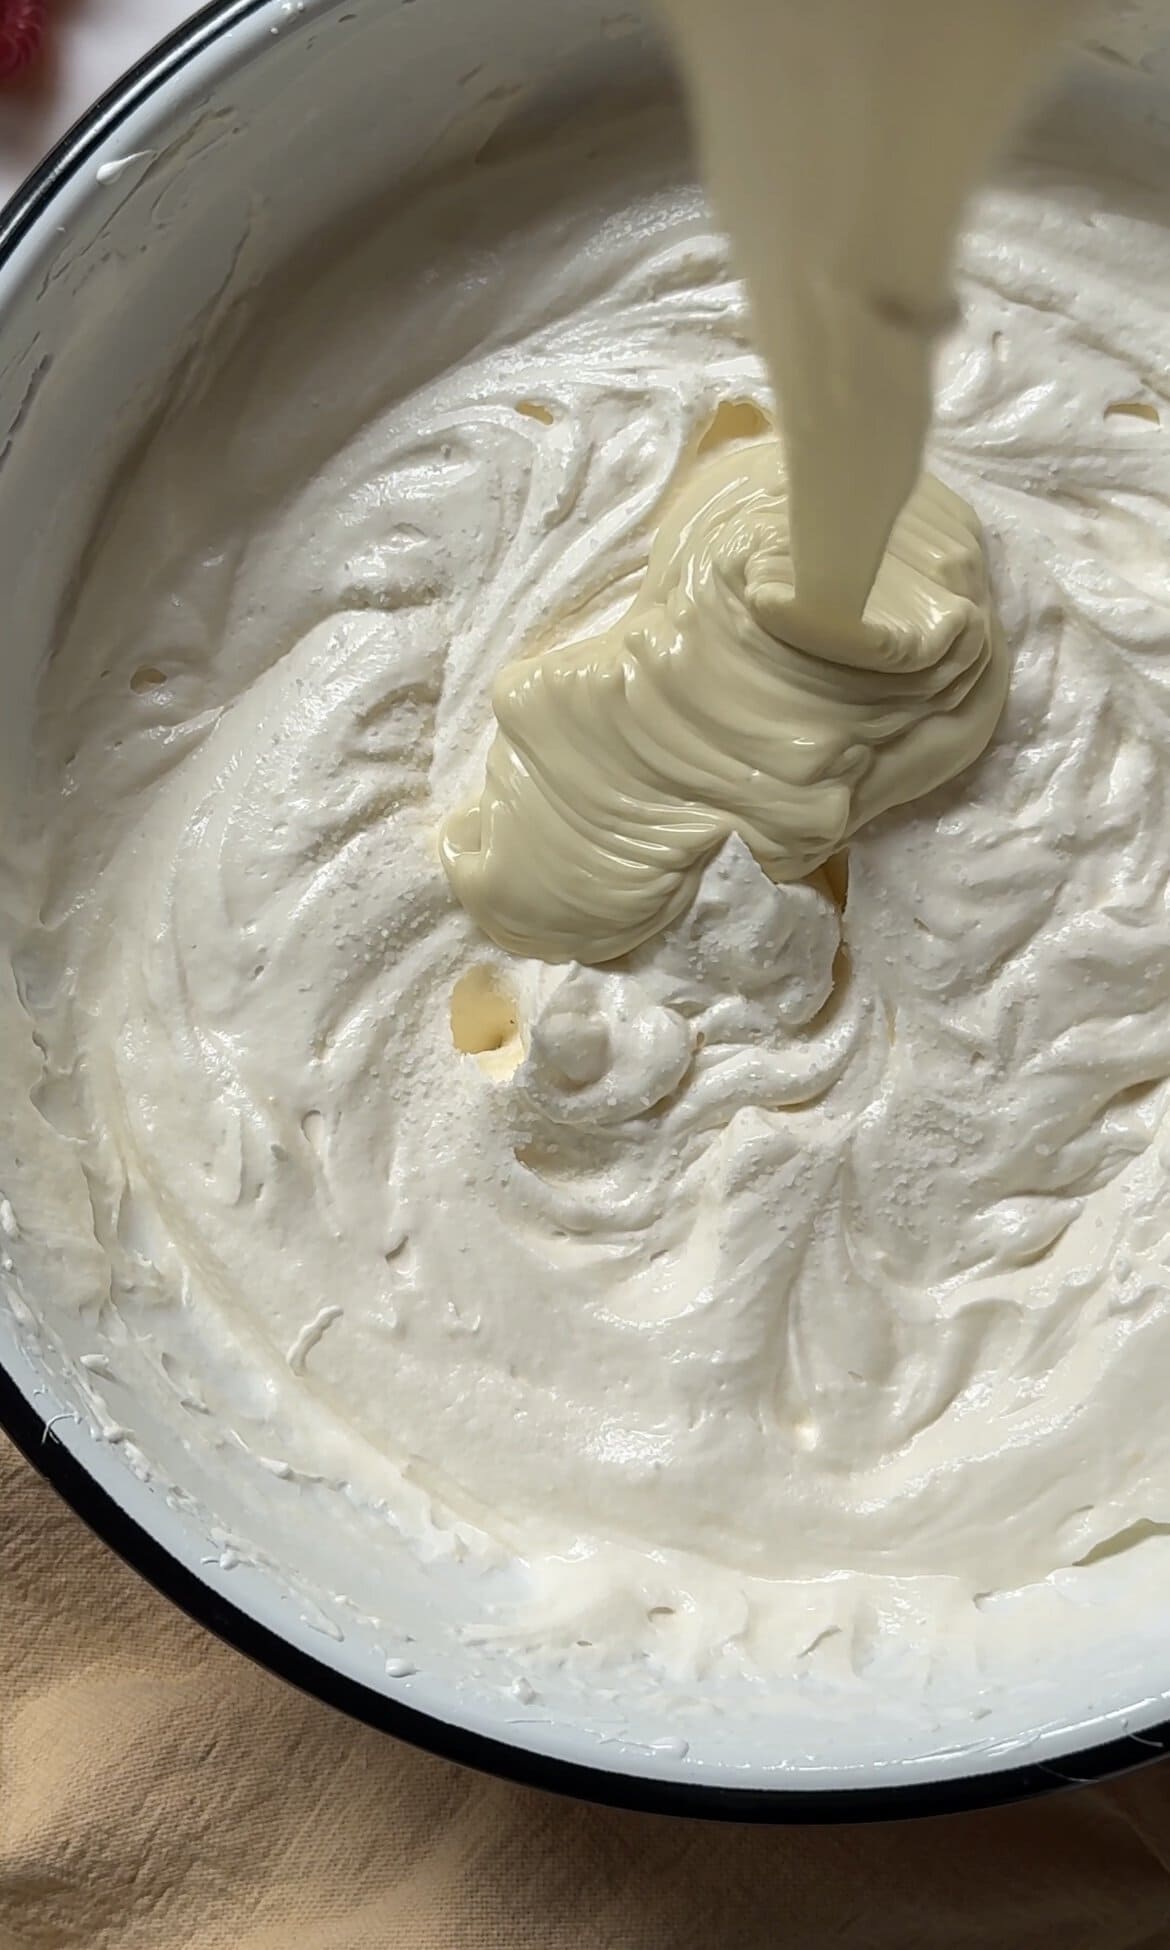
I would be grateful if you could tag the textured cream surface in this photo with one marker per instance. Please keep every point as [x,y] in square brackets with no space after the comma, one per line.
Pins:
[826,1235]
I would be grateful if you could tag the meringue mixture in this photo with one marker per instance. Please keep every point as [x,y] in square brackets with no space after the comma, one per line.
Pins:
[824,1237]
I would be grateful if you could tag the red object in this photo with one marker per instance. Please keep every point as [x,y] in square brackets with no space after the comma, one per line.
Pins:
[22,30]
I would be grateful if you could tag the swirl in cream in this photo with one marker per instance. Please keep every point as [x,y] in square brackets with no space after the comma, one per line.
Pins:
[623,763]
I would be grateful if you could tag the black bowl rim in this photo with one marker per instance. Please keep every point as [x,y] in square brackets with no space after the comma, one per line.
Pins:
[32,1433]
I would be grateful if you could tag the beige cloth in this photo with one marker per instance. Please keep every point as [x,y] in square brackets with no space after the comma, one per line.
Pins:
[158,1792]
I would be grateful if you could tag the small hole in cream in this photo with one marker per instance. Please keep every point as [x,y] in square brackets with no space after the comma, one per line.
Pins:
[485,1021]
[147,677]
[1134,409]
[735,419]
[836,873]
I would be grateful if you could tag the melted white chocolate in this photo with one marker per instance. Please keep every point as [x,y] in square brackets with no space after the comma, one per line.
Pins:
[793,664]
[623,763]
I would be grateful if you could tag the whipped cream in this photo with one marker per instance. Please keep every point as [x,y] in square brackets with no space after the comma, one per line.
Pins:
[821,1245]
